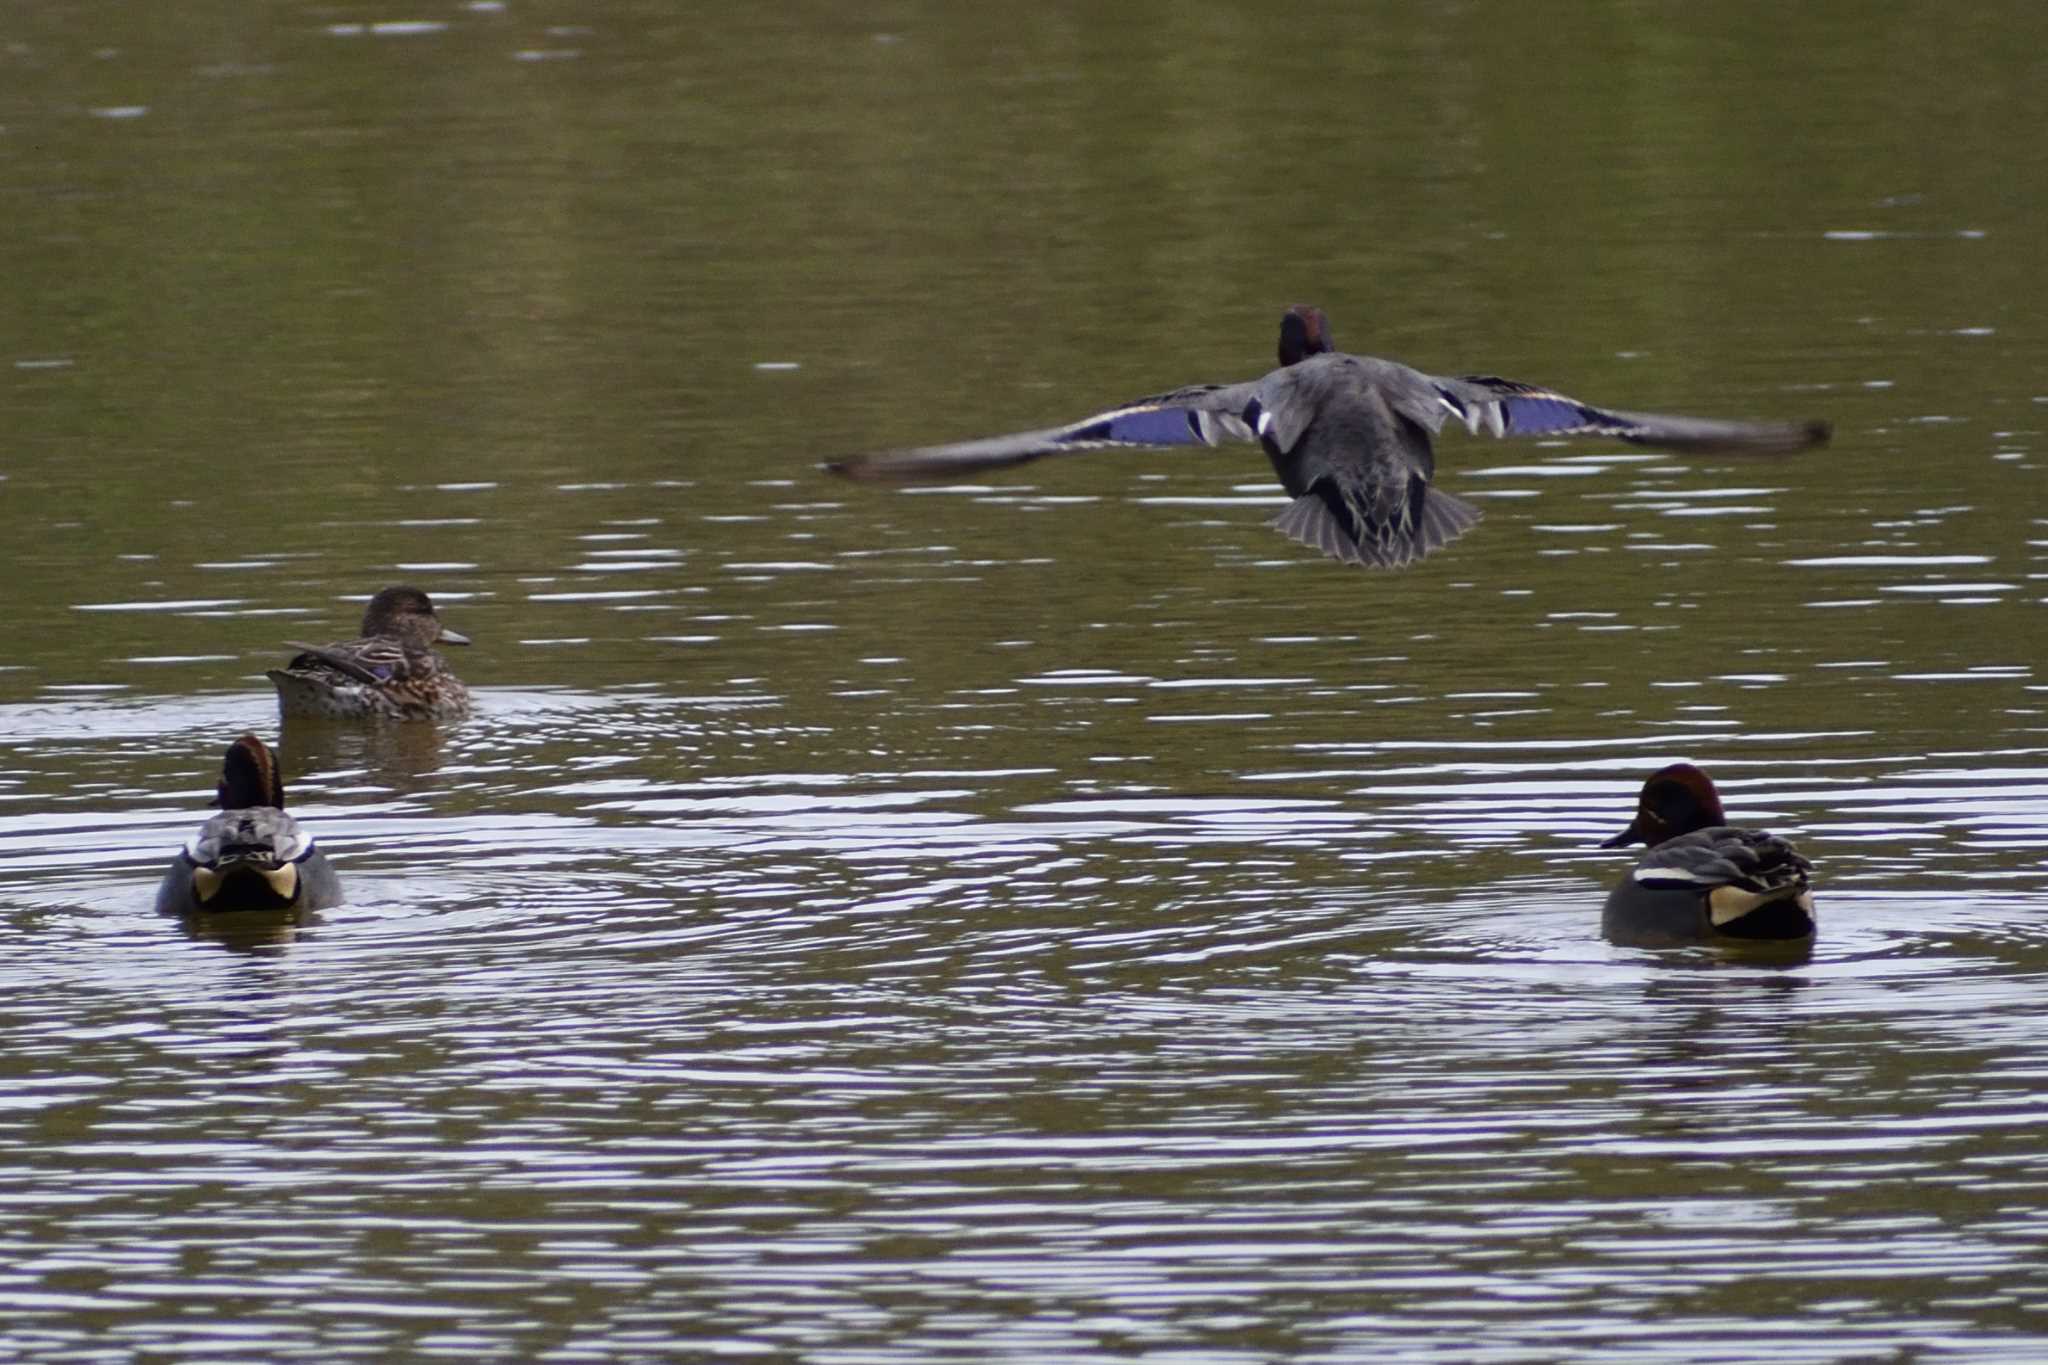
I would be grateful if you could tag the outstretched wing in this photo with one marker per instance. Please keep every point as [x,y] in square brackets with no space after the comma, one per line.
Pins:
[1507,407]
[1204,414]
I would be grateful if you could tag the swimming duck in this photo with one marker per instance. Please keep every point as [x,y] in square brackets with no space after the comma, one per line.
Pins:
[1349,437]
[1702,880]
[252,856]
[392,670]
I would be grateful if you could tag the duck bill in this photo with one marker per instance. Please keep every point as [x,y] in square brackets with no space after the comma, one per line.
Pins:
[1631,835]
[451,637]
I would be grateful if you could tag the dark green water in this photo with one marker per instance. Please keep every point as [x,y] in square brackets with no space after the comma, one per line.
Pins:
[1056,918]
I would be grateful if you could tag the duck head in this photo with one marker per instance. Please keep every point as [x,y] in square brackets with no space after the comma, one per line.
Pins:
[249,777]
[1676,800]
[1304,332]
[407,614]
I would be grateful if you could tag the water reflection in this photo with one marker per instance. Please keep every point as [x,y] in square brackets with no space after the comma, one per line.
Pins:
[401,757]
[253,931]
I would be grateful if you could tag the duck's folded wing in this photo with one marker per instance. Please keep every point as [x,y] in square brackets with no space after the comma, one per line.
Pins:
[1507,407]
[1205,415]
[375,662]
[1721,856]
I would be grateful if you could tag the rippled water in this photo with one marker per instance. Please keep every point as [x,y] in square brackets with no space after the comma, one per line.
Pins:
[1055,917]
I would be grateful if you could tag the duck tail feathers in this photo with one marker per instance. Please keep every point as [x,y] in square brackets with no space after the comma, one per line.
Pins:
[1310,521]
[1327,523]
[1444,518]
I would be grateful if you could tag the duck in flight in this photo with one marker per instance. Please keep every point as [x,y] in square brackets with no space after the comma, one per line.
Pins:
[1350,437]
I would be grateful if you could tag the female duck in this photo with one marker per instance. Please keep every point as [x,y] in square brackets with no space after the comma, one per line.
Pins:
[391,670]
[252,856]
[1702,881]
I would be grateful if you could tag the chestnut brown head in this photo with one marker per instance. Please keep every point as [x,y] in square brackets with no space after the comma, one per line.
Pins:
[249,777]
[1304,332]
[1676,800]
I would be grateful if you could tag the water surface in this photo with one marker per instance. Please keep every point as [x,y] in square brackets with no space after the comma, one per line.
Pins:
[1054,917]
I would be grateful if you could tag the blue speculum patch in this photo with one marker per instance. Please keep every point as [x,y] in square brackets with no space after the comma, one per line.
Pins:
[1547,414]
[1154,427]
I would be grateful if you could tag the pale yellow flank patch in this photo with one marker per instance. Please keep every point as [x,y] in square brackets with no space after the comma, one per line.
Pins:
[1726,904]
[206,882]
